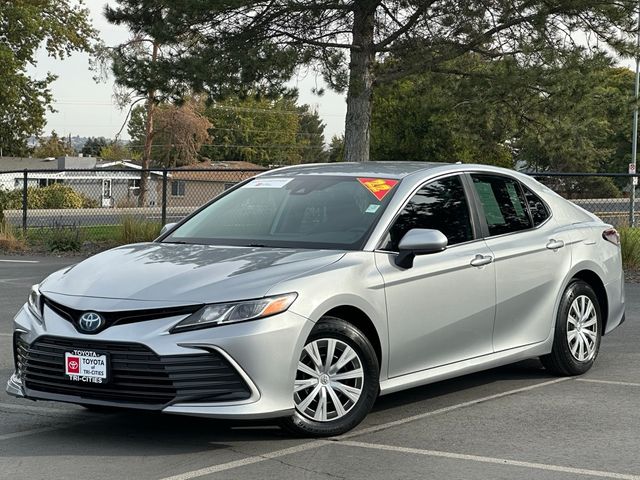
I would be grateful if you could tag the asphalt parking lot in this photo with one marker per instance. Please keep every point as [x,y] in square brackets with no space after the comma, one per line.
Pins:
[512,422]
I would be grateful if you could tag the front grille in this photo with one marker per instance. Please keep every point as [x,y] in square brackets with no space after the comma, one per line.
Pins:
[137,375]
[119,318]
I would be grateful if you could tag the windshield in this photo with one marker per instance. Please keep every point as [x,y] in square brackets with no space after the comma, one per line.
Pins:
[332,212]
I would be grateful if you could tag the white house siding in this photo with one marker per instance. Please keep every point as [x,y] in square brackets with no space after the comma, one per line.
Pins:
[89,184]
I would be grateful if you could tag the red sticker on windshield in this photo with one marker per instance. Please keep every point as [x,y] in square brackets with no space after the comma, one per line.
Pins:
[378,186]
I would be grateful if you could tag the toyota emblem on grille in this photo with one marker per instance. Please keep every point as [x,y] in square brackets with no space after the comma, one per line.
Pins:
[90,321]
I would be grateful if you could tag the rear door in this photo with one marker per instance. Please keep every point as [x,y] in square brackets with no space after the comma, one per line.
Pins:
[441,310]
[531,256]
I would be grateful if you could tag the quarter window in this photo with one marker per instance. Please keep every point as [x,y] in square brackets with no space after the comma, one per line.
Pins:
[538,209]
[505,208]
[440,205]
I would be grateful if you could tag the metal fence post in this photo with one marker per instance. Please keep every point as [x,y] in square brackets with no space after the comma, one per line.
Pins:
[24,202]
[164,196]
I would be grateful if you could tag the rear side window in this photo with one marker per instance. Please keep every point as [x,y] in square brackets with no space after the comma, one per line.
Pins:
[504,205]
[440,205]
[539,211]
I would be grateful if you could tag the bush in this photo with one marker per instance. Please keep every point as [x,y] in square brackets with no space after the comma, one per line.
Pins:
[7,199]
[53,196]
[61,238]
[135,230]
[630,246]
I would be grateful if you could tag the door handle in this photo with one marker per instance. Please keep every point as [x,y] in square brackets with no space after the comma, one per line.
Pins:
[555,244]
[481,260]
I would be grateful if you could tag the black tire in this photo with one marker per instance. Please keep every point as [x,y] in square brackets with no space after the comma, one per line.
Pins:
[335,328]
[561,361]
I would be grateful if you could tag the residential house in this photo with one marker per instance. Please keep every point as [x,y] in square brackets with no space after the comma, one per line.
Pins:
[194,185]
[111,184]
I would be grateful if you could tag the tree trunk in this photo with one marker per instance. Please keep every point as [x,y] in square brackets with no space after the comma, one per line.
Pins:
[360,92]
[148,137]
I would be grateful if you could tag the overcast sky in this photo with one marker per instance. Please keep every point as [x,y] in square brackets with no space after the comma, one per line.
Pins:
[86,109]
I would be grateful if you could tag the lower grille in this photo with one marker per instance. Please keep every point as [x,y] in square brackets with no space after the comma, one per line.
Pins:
[137,375]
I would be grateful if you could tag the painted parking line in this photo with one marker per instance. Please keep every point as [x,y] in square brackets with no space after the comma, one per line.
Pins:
[6,334]
[19,261]
[497,461]
[608,382]
[249,460]
[341,439]
[420,416]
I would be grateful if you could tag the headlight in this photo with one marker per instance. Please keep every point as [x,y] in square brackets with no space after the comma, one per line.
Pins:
[225,313]
[34,302]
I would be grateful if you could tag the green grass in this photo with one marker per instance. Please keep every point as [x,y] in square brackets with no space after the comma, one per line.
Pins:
[131,230]
[135,230]
[94,233]
[630,246]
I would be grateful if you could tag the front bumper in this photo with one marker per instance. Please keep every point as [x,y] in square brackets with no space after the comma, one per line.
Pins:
[263,353]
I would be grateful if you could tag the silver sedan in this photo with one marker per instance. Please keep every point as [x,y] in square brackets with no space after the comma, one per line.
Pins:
[304,293]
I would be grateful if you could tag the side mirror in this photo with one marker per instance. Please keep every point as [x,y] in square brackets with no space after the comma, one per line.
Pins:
[166,228]
[419,241]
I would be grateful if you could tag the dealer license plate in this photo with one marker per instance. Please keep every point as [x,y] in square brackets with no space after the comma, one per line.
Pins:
[86,366]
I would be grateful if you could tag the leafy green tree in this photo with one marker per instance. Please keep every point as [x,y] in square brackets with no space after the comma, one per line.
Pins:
[136,128]
[311,135]
[242,44]
[571,116]
[581,121]
[336,149]
[94,145]
[54,146]
[259,130]
[115,151]
[61,27]
[441,117]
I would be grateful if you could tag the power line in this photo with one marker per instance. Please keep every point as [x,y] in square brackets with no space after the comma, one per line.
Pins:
[221,145]
[216,107]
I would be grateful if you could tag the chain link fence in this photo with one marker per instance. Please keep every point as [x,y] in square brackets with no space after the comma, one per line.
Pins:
[605,194]
[101,205]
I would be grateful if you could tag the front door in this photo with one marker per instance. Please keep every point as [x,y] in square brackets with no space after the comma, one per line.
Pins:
[106,193]
[442,309]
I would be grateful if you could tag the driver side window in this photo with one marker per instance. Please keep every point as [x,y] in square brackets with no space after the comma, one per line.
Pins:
[440,205]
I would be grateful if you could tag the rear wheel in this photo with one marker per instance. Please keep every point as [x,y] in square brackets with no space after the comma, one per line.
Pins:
[336,382]
[578,331]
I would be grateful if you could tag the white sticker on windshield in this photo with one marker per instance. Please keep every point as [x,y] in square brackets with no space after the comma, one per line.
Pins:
[268,183]
[373,208]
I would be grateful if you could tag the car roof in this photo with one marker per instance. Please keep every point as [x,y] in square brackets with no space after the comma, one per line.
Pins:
[396,170]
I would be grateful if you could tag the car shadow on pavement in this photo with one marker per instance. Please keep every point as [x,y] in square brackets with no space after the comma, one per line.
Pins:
[521,371]
[134,433]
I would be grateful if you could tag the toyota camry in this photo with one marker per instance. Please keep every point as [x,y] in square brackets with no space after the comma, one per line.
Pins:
[304,293]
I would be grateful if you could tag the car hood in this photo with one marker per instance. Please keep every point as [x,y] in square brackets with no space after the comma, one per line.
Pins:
[184,274]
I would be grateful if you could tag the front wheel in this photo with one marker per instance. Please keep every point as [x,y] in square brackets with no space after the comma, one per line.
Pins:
[337,380]
[578,331]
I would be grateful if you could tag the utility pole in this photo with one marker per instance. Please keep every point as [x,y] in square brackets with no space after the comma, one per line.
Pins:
[634,147]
